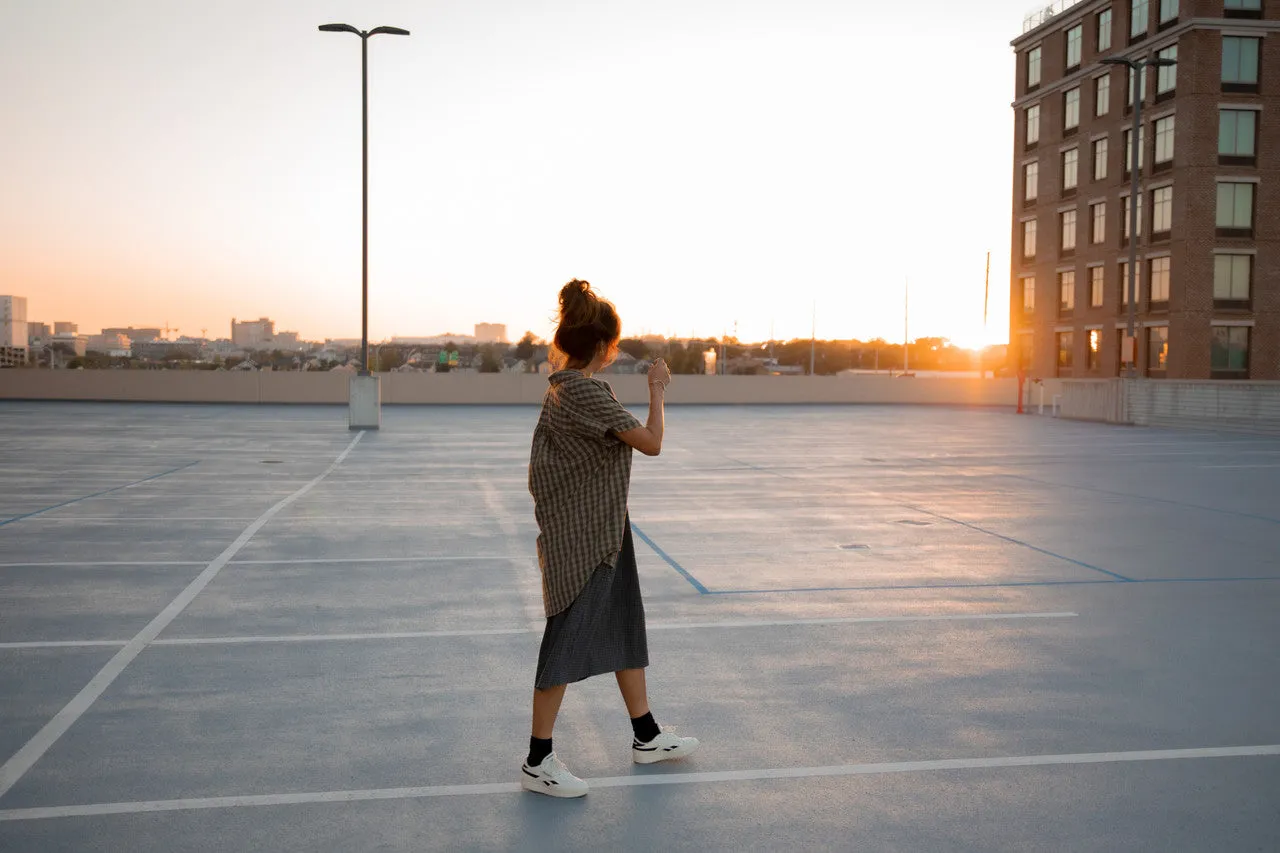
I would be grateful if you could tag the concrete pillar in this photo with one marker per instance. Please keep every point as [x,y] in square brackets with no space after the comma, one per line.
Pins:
[366,402]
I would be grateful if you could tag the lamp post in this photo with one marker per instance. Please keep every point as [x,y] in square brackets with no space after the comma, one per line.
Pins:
[1137,68]
[364,177]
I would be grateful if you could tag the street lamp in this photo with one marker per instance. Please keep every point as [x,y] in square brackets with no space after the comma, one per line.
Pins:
[364,131]
[1137,67]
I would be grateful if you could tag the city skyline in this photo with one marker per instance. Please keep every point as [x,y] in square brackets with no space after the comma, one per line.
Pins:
[702,163]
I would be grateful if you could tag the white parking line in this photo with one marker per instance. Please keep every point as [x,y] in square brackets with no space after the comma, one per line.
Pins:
[22,761]
[493,632]
[639,780]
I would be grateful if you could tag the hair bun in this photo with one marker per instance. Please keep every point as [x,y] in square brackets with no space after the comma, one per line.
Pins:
[578,305]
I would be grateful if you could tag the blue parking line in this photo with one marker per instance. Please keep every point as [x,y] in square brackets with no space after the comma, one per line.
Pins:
[996,585]
[697,584]
[1010,539]
[96,494]
[1147,498]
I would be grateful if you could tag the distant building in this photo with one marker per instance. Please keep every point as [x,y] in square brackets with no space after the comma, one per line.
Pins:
[65,328]
[253,333]
[70,343]
[287,340]
[13,331]
[38,332]
[113,344]
[491,333]
[137,336]
[433,340]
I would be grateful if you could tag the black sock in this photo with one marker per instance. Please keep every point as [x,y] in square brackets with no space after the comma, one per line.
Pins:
[645,727]
[539,748]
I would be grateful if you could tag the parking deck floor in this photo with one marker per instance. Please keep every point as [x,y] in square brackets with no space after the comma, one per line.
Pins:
[893,628]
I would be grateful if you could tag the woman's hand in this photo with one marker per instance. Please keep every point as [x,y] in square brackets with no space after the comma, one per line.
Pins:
[659,373]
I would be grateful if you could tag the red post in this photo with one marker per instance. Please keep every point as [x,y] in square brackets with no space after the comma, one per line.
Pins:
[1022,381]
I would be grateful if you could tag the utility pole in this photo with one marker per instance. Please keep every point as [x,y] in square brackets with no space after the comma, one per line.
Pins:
[813,336]
[906,327]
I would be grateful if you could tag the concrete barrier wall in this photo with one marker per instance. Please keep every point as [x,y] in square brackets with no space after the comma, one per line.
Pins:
[179,386]
[1093,400]
[1235,406]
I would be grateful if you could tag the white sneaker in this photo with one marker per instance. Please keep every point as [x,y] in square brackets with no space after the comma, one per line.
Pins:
[552,778]
[665,747]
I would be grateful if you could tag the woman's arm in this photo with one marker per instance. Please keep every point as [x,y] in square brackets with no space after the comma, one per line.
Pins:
[648,438]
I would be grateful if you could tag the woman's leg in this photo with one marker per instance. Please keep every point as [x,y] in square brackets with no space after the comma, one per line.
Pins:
[546,705]
[634,692]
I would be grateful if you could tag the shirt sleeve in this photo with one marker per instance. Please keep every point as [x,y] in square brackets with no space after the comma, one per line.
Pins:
[598,411]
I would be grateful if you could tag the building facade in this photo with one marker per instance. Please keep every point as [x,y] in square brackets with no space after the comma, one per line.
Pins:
[13,331]
[62,327]
[1208,235]
[254,334]
[491,333]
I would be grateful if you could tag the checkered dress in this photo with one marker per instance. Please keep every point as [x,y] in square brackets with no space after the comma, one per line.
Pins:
[579,475]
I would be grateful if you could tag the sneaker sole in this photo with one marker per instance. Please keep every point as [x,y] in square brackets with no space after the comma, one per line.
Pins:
[654,757]
[536,786]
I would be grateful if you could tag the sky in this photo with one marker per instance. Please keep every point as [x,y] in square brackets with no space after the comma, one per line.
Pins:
[774,167]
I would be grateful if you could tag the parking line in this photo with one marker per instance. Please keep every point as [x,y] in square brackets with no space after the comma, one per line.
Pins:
[494,632]
[23,760]
[96,494]
[641,779]
[697,584]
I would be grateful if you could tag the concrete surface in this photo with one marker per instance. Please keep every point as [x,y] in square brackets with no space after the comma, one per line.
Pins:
[894,628]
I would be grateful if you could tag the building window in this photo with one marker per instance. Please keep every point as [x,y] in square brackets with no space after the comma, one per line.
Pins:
[1124,283]
[1164,142]
[1068,231]
[1129,103]
[1066,343]
[1098,218]
[1157,349]
[1128,216]
[1168,11]
[1033,67]
[1070,168]
[1100,159]
[1075,37]
[1235,209]
[1095,349]
[1161,212]
[1239,64]
[1066,293]
[1028,296]
[1071,109]
[1128,149]
[1030,181]
[1033,125]
[1097,283]
[1237,136]
[1159,282]
[1101,95]
[1232,278]
[1104,30]
[1243,8]
[1139,19]
[1166,75]
[1229,352]
[1029,239]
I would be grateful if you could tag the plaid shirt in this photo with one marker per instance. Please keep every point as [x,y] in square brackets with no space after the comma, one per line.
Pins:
[579,474]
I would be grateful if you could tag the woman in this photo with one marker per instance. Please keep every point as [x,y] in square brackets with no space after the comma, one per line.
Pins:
[579,474]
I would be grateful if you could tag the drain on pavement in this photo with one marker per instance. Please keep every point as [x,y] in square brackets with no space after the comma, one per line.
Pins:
[915,523]
[855,547]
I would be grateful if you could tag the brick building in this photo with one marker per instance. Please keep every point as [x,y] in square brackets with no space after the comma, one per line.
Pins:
[1208,296]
